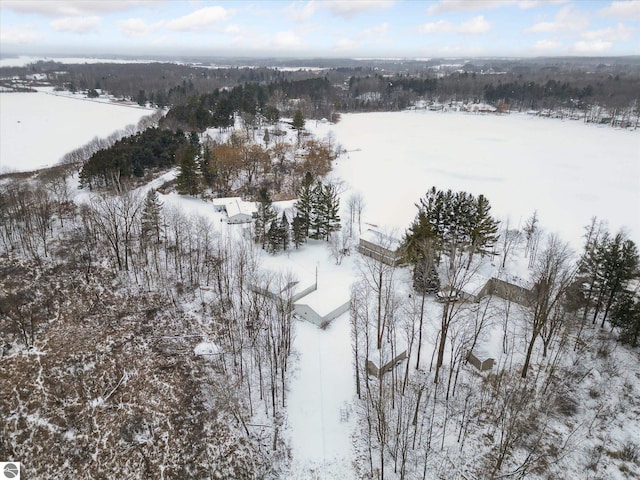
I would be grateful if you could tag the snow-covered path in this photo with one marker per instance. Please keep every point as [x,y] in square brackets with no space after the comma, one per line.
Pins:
[321,391]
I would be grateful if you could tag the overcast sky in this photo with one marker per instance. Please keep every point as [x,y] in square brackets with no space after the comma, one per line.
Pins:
[351,28]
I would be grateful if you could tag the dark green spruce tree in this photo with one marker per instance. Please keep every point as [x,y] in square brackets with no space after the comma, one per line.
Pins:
[265,217]
[297,231]
[329,204]
[188,181]
[305,204]
[625,315]
[285,232]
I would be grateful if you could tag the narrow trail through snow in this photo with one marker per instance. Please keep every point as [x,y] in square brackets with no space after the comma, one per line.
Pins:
[321,391]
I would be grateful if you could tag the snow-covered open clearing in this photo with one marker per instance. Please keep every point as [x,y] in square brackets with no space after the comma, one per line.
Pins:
[37,129]
[566,170]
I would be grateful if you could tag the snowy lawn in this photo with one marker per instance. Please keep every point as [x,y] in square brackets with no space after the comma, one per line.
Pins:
[319,406]
[566,170]
[37,129]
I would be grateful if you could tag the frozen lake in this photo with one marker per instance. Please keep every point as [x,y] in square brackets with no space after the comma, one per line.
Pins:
[566,170]
[37,129]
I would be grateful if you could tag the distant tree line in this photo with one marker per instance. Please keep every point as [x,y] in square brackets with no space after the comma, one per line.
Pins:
[362,86]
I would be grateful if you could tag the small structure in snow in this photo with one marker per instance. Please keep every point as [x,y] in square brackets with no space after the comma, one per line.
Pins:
[374,370]
[206,348]
[481,361]
[322,306]
[237,210]
[380,247]
[511,288]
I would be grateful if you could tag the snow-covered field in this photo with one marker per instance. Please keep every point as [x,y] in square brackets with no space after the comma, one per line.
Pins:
[37,129]
[566,170]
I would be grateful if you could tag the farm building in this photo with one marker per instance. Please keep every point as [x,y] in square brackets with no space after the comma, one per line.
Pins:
[381,247]
[237,210]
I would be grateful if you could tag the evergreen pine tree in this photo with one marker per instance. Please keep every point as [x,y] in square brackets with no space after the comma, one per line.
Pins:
[274,238]
[625,314]
[305,203]
[297,231]
[619,258]
[265,217]
[330,205]
[188,180]
[317,224]
[425,276]
[284,231]
[150,219]
[298,121]
[483,232]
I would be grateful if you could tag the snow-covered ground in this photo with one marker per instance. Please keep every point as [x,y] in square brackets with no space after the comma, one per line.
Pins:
[566,170]
[319,407]
[37,129]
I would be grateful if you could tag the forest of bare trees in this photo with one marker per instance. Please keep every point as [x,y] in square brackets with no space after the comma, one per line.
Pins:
[112,374]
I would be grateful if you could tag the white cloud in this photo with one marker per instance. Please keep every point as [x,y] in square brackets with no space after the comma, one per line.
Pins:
[623,10]
[472,26]
[448,6]
[564,20]
[475,25]
[619,32]
[529,4]
[546,45]
[69,8]
[382,29]
[233,30]
[76,24]
[347,9]
[200,19]
[136,27]
[350,8]
[592,47]
[301,13]
[441,26]
[287,39]
[21,35]
[346,44]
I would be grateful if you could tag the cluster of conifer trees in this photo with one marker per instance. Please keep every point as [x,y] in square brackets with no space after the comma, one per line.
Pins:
[131,156]
[451,223]
[315,215]
[608,274]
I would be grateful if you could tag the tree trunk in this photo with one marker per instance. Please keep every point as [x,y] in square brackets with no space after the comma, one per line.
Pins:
[527,360]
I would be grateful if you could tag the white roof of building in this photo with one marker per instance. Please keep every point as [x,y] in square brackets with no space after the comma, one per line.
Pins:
[235,206]
[381,239]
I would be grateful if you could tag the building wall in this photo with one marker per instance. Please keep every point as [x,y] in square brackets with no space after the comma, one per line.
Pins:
[509,291]
[379,253]
[239,218]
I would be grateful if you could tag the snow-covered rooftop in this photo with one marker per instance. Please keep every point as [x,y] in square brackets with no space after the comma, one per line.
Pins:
[235,206]
[381,239]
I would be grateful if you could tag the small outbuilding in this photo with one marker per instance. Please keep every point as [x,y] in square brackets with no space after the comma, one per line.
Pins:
[381,247]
